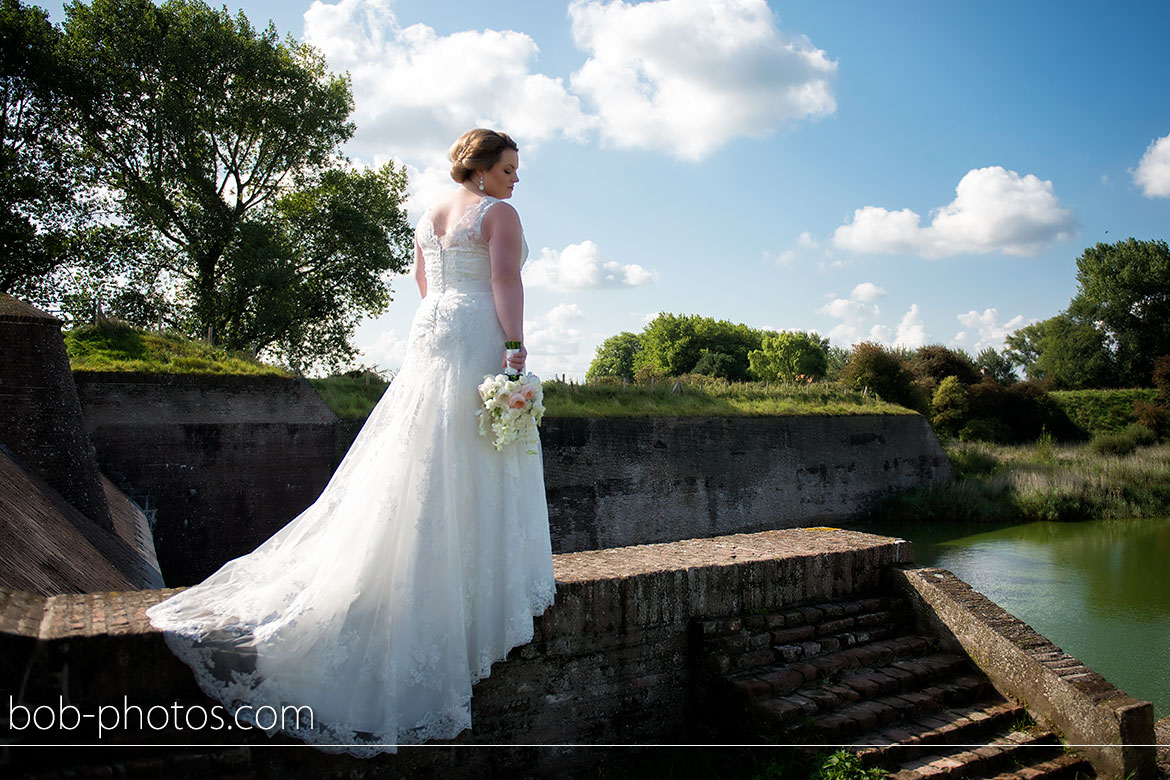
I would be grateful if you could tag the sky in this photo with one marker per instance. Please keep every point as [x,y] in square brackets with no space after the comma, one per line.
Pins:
[909,173]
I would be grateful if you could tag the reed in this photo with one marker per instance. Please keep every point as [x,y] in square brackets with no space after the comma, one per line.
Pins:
[1025,483]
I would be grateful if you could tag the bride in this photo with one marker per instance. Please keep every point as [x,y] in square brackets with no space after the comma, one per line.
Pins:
[427,555]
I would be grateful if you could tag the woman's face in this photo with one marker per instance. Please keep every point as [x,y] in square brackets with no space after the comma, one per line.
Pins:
[499,180]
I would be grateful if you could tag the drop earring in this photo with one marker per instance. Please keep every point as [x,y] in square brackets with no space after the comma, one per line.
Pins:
[481,184]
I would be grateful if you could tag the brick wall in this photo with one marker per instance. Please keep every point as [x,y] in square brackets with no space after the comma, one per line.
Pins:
[611,662]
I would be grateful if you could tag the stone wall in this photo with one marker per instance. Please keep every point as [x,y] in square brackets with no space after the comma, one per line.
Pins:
[40,417]
[610,662]
[227,460]
[616,482]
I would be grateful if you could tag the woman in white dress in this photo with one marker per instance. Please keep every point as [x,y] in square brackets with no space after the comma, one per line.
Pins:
[427,555]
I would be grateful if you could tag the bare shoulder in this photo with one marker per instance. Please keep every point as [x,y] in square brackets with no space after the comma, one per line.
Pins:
[501,217]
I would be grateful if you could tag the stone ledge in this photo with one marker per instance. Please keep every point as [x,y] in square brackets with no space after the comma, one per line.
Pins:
[610,662]
[1113,730]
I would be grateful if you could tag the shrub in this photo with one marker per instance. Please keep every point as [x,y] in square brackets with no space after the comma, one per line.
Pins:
[1123,442]
[1162,377]
[949,406]
[972,462]
[1152,415]
[716,364]
[882,371]
[985,429]
[936,362]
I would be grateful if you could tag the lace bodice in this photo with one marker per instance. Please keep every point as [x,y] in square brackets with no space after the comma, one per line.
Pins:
[459,261]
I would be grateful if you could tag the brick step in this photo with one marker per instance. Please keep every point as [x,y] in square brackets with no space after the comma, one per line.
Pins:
[859,612]
[888,666]
[1027,755]
[735,654]
[971,724]
[1066,766]
[839,713]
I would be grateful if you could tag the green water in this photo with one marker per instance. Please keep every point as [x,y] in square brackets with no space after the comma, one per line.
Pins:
[1100,590]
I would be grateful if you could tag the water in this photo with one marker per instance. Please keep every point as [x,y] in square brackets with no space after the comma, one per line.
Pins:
[1100,590]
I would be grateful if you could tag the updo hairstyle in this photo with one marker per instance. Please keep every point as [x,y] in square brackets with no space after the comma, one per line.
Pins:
[477,150]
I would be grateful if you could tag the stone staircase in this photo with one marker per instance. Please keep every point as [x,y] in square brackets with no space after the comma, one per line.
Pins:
[858,673]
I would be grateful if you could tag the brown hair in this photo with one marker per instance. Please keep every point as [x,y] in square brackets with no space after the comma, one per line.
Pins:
[477,150]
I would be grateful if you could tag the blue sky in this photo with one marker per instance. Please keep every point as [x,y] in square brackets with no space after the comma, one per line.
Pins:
[904,172]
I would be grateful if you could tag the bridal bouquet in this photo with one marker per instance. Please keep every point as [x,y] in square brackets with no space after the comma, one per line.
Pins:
[512,408]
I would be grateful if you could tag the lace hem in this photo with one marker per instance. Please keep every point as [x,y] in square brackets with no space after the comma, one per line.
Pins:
[248,694]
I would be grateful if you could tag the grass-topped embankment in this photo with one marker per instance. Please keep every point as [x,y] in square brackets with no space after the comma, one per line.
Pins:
[352,395]
[1041,481]
[1101,411]
[704,397]
[115,346]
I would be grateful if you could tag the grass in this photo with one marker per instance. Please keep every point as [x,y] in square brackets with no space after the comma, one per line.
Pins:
[703,397]
[1101,411]
[352,395]
[1045,481]
[115,346]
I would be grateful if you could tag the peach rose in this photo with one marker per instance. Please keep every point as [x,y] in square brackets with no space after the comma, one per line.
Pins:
[517,401]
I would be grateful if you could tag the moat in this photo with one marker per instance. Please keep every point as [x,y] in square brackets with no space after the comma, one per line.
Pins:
[1100,590]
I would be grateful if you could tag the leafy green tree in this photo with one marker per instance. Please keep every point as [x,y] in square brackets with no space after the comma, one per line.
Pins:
[222,144]
[1126,288]
[615,357]
[1064,351]
[995,366]
[949,406]
[674,344]
[38,165]
[786,355]
[837,357]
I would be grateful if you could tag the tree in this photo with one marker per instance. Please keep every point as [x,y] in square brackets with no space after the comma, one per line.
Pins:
[949,406]
[1126,288]
[37,161]
[992,365]
[1064,351]
[785,356]
[223,146]
[674,345]
[615,357]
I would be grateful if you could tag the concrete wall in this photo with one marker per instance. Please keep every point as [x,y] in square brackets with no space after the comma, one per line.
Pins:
[616,482]
[230,460]
[227,460]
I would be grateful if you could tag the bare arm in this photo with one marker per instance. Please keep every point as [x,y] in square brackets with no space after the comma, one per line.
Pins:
[420,271]
[504,236]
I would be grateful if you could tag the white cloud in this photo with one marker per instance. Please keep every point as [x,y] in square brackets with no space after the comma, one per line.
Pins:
[991,332]
[581,267]
[1153,172]
[911,332]
[689,75]
[867,291]
[555,342]
[994,210]
[415,91]
[853,312]
[388,350]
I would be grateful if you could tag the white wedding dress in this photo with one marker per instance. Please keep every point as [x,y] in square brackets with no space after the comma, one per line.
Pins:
[422,562]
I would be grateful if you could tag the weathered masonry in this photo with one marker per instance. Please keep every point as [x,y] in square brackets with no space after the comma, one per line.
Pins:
[802,635]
